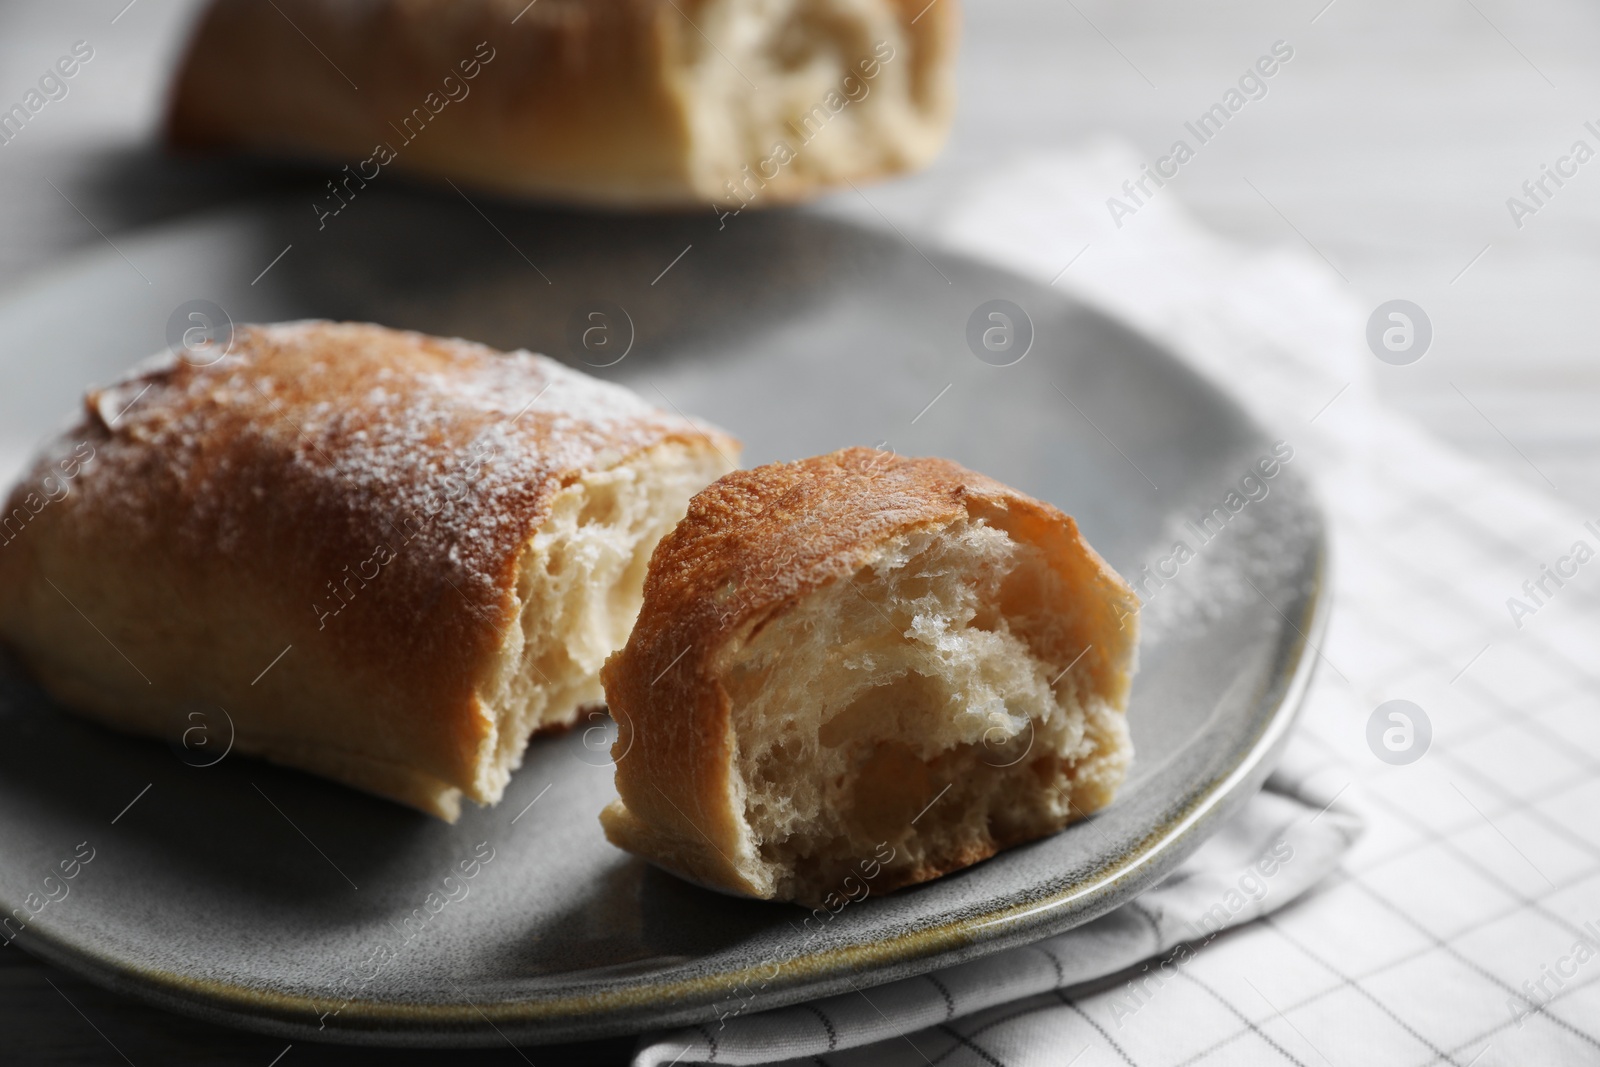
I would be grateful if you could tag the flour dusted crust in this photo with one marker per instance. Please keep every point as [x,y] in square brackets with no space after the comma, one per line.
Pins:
[389,557]
[619,102]
[826,645]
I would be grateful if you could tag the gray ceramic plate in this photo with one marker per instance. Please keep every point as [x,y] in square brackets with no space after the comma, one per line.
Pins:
[248,894]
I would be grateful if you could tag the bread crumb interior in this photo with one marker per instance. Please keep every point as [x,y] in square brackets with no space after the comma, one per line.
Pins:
[580,589]
[791,72]
[925,703]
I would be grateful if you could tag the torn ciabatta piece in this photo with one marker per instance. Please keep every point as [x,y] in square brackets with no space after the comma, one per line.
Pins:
[633,103]
[858,656]
[389,558]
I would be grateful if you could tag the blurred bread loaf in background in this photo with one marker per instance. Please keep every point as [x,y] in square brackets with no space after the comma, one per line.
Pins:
[627,103]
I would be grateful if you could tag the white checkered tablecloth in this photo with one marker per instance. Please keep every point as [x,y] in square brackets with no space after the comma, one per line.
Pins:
[1463,927]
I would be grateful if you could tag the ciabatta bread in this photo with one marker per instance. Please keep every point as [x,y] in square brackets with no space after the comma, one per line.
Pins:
[618,102]
[388,558]
[857,672]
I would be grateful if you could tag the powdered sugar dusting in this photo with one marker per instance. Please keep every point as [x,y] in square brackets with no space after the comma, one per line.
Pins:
[312,442]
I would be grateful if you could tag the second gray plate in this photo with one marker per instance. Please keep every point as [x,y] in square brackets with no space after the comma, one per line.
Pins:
[256,896]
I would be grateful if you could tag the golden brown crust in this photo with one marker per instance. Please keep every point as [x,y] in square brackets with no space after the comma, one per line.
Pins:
[597,101]
[352,498]
[752,545]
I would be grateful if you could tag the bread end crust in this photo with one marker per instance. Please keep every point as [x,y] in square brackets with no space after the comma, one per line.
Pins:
[754,545]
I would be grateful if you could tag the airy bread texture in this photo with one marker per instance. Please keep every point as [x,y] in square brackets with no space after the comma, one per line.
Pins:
[859,672]
[617,102]
[578,591]
[388,558]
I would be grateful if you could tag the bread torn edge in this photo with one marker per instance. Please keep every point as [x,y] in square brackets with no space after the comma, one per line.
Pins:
[580,584]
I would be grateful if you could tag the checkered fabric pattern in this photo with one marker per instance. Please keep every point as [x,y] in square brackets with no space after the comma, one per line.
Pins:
[1286,841]
[1464,925]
